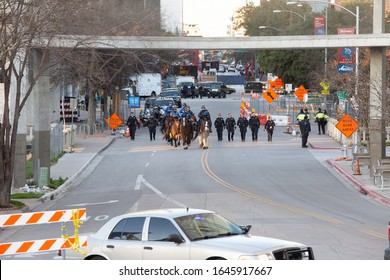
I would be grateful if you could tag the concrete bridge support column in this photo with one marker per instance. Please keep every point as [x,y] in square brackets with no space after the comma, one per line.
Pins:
[377,88]
[41,103]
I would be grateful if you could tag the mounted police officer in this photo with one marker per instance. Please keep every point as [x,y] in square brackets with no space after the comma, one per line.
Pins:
[204,112]
[168,109]
[175,113]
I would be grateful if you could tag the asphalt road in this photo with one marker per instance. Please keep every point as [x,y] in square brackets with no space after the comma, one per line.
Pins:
[282,190]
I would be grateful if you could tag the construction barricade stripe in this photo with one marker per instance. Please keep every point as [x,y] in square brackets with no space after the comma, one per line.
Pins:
[41,245]
[42,217]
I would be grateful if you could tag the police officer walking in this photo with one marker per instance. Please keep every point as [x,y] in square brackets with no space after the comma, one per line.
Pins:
[269,126]
[305,130]
[230,126]
[219,124]
[254,124]
[152,123]
[242,123]
[132,123]
[320,119]
[300,116]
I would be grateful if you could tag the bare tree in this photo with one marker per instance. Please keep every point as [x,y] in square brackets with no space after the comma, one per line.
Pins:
[22,23]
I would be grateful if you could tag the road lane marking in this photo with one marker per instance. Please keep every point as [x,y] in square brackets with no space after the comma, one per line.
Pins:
[373,233]
[207,169]
[94,203]
[141,179]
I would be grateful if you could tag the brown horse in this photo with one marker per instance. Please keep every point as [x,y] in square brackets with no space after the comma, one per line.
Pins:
[187,131]
[174,132]
[204,127]
[165,128]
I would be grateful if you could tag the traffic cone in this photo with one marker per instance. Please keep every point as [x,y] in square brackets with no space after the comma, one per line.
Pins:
[357,168]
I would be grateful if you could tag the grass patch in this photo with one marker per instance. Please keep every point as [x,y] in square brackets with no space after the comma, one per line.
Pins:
[17,204]
[54,184]
[26,195]
[55,160]
[29,169]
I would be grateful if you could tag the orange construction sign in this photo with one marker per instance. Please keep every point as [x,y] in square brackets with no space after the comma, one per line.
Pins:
[270,95]
[114,121]
[277,83]
[347,125]
[300,93]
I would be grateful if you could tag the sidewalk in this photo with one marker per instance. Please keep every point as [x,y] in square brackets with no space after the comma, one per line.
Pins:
[323,147]
[72,164]
[362,183]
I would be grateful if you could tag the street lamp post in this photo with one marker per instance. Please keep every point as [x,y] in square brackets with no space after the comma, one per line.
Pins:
[269,27]
[356,15]
[292,12]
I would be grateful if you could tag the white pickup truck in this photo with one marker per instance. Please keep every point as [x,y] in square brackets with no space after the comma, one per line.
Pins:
[145,85]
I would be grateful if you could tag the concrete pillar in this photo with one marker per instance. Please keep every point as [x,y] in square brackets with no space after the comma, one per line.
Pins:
[377,88]
[41,101]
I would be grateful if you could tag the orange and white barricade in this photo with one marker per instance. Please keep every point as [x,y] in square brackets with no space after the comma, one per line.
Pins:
[46,217]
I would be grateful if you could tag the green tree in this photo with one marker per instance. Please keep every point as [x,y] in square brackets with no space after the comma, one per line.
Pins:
[306,67]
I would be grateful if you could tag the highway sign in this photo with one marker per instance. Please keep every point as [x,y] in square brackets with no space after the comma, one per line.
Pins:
[347,125]
[270,95]
[342,95]
[300,93]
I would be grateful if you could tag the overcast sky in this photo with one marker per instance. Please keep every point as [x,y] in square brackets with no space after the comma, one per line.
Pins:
[211,15]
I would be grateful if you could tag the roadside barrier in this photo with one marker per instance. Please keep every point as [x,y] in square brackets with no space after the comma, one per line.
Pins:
[35,218]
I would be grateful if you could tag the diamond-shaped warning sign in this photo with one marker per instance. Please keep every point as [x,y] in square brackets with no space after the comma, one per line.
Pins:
[270,95]
[114,121]
[347,125]
[300,93]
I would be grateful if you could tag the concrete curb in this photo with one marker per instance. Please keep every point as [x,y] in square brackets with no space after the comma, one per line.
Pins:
[359,186]
[64,186]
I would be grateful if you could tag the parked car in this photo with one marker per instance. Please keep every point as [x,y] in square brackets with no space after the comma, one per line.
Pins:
[255,86]
[163,102]
[387,250]
[149,103]
[230,90]
[172,93]
[213,89]
[184,234]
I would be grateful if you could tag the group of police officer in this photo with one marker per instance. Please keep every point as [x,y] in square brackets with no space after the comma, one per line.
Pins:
[303,119]
[220,123]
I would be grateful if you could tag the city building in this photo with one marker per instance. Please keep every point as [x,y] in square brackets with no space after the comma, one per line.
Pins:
[191,30]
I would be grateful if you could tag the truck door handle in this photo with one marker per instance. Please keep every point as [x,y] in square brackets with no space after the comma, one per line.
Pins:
[148,248]
[110,246]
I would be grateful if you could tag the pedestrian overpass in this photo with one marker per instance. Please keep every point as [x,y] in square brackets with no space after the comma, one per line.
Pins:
[222,43]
